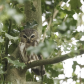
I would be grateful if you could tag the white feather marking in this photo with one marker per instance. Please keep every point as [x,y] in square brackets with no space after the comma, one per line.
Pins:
[21,47]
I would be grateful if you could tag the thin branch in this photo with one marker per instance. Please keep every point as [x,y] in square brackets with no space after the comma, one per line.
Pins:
[51,19]
[7,40]
[47,61]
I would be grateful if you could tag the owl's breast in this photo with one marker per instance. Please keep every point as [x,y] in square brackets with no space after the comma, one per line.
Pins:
[22,48]
[25,56]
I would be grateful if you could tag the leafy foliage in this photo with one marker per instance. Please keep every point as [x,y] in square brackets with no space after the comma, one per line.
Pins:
[77,6]
[44,49]
[16,63]
[59,26]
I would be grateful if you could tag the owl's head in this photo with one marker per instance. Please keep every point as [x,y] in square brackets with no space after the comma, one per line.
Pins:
[29,35]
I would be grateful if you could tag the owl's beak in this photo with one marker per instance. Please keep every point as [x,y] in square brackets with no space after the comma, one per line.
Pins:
[28,40]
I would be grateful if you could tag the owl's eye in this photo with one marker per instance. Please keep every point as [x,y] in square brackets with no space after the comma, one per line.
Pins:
[24,36]
[32,36]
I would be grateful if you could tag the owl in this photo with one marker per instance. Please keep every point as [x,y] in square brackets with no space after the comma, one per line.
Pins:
[28,38]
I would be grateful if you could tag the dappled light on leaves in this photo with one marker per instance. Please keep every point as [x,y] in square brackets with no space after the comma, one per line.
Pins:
[1,69]
[46,49]
[61,37]
[11,37]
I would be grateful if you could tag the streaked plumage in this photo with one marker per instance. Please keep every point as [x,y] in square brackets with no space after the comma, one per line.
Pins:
[29,38]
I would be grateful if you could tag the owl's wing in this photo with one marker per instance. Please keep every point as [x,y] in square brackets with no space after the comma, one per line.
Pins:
[27,58]
[39,70]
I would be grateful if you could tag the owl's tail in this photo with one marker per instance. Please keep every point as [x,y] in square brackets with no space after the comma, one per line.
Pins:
[39,70]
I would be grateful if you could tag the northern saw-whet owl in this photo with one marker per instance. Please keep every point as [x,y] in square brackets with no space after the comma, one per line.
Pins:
[29,37]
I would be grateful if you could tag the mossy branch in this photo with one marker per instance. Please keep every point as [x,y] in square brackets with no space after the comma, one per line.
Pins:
[54,59]
[50,60]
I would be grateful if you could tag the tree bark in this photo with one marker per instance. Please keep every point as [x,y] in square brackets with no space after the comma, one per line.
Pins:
[17,76]
[31,15]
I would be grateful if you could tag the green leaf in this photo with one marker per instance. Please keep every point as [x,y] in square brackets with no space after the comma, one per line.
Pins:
[1,40]
[1,69]
[11,37]
[75,5]
[74,65]
[63,27]
[43,48]
[74,76]
[16,63]
[48,80]
[29,76]
[30,25]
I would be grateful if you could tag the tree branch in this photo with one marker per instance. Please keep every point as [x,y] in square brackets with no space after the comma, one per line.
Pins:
[50,60]
[53,60]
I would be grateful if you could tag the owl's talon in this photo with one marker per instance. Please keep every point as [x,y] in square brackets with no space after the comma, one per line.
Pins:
[30,61]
